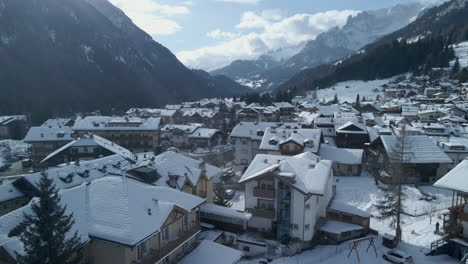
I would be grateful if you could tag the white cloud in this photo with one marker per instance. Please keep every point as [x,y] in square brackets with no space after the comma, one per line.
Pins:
[151,16]
[240,1]
[288,32]
[218,34]
[188,3]
[250,19]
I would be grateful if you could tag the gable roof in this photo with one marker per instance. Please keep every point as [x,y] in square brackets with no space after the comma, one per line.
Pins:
[299,136]
[417,149]
[41,134]
[89,140]
[342,155]
[305,172]
[456,179]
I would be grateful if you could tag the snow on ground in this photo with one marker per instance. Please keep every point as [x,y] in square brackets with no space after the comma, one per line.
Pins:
[348,90]
[362,193]
[461,52]
[238,201]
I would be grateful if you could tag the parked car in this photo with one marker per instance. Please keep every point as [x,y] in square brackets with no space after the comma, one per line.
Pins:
[398,256]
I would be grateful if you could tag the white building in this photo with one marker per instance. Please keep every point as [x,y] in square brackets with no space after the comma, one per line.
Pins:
[287,195]
[290,141]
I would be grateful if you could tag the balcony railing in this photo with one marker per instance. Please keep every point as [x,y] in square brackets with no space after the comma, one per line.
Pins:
[263,212]
[264,193]
[154,255]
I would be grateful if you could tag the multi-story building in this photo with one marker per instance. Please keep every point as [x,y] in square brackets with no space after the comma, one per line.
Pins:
[134,133]
[247,136]
[455,222]
[122,220]
[44,140]
[13,127]
[287,195]
[290,141]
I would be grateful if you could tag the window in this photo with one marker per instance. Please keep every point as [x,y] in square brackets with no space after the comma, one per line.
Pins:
[244,162]
[185,221]
[165,234]
[265,204]
[307,206]
[307,227]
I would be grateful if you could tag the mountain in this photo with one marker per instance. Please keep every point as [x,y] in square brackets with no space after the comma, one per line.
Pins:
[65,56]
[330,46]
[418,47]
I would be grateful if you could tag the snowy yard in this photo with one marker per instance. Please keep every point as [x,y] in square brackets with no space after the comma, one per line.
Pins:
[362,192]
[348,90]
[461,52]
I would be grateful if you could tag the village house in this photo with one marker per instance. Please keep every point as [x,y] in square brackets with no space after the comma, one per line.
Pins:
[85,147]
[13,127]
[351,135]
[122,220]
[346,162]
[206,138]
[455,222]
[168,116]
[456,148]
[287,195]
[419,157]
[133,133]
[45,140]
[177,136]
[290,141]
[247,136]
[258,113]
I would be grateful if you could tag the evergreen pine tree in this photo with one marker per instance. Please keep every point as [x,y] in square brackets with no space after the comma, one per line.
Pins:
[335,99]
[221,197]
[456,67]
[358,102]
[43,232]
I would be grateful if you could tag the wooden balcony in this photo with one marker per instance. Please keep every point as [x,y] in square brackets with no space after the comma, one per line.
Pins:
[154,255]
[263,212]
[264,193]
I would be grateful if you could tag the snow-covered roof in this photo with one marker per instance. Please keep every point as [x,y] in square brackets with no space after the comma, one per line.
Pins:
[155,112]
[5,120]
[127,211]
[224,211]
[456,179]
[113,208]
[361,129]
[417,149]
[56,122]
[346,208]
[251,129]
[172,163]
[9,192]
[341,155]
[305,171]
[337,227]
[204,133]
[186,128]
[95,140]
[300,136]
[211,252]
[90,123]
[41,134]
[283,105]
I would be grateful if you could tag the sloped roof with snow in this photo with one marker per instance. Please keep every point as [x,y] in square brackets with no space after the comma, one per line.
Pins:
[341,155]
[5,120]
[172,163]
[202,132]
[299,136]
[305,171]
[212,252]
[225,211]
[95,140]
[41,134]
[126,211]
[417,149]
[250,129]
[456,179]
[90,123]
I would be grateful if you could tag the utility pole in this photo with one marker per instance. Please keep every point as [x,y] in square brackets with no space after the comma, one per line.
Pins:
[400,171]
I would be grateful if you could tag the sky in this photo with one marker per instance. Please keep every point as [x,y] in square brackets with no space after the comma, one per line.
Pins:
[209,34]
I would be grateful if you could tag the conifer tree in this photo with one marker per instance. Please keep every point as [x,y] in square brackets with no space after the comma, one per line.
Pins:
[456,67]
[44,231]
[358,102]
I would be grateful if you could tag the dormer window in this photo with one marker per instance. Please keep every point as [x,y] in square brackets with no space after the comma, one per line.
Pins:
[260,133]
[273,142]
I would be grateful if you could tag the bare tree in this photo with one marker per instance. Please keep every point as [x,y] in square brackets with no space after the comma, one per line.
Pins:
[430,211]
[391,206]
